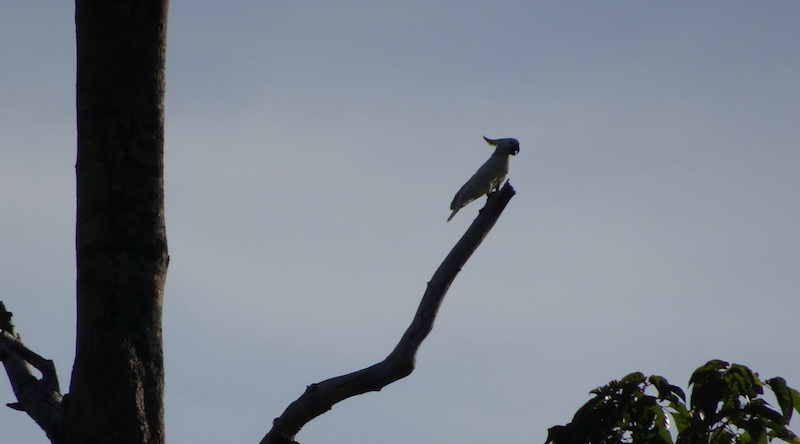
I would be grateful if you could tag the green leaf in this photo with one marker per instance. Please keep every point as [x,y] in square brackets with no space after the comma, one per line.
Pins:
[708,387]
[784,434]
[755,429]
[661,423]
[678,391]
[659,382]
[707,395]
[788,398]
[742,381]
[784,396]
[795,399]
[710,367]
[637,377]
[680,416]
[666,391]
[721,436]
[761,409]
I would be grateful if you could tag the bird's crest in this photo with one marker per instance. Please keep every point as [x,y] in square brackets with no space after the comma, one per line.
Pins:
[504,147]
[492,142]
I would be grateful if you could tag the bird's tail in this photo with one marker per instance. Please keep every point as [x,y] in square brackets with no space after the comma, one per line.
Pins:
[453,214]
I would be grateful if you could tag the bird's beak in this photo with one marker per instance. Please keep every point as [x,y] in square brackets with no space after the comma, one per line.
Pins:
[515,151]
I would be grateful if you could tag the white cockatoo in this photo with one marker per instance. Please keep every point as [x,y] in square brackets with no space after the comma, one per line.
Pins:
[489,176]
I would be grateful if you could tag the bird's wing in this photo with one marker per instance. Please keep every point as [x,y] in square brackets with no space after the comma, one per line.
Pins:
[455,203]
[480,183]
[475,187]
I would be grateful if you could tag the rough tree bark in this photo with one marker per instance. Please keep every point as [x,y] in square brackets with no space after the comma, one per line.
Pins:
[116,391]
[320,397]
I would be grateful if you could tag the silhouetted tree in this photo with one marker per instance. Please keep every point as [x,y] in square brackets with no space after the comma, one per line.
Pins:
[726,406]
[117,386]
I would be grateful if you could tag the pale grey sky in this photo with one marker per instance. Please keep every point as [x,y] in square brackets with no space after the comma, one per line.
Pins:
[313,149]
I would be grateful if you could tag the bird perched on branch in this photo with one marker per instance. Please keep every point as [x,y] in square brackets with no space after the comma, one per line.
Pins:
[489,176]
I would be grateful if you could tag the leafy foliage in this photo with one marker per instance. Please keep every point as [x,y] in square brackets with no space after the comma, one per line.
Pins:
[726,406]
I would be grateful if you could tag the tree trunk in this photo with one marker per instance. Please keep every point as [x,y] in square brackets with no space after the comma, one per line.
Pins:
[116,392]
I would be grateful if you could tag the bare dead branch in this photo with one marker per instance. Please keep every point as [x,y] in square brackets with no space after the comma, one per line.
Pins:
[320,397]
[40,398]
[45,366]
